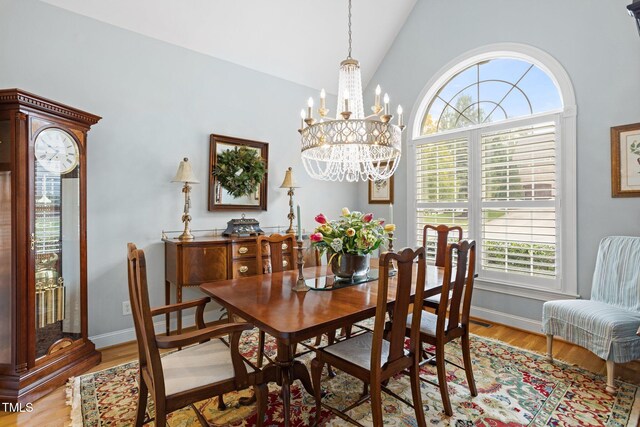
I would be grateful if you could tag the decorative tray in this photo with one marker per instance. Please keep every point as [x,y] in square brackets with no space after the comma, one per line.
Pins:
[330,283]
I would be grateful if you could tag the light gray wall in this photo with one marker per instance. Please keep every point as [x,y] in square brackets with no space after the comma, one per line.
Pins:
[598,45]
[159,103]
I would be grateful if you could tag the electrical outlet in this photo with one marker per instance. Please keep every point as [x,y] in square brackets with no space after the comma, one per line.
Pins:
[126,308]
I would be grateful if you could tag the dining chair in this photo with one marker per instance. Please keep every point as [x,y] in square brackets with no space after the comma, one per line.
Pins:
[375,357]
[451,319]
[442,232]
[204,367]
[276,245]
[607,323]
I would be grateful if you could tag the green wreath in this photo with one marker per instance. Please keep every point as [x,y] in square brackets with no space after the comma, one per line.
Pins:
[239,171]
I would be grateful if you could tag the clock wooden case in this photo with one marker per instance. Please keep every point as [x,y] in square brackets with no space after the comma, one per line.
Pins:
[43,245]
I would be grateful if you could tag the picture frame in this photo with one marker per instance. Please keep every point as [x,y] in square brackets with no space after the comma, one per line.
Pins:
[625,160]
[219,198]
[381,192]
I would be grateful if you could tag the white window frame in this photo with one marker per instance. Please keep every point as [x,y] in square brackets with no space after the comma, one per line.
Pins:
[565,119]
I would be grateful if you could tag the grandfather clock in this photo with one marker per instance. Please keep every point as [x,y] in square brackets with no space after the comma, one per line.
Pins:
[43,245]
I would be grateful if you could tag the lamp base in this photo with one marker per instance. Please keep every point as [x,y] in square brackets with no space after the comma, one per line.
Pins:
[186,235]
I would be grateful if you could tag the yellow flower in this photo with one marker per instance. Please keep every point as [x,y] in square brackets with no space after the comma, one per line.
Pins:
[351,232]
[325,229]
[389,228]
[345,211]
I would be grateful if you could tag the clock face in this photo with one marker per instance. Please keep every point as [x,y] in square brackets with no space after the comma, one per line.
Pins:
[56,151]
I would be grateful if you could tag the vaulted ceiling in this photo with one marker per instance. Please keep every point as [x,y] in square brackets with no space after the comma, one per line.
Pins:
[302,41]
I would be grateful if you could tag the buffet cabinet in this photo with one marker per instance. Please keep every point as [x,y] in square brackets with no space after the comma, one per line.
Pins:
[208,259]
[43,255]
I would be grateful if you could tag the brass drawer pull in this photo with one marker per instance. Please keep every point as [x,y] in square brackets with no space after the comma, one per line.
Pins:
[243,250]
[243,269]
[285,246]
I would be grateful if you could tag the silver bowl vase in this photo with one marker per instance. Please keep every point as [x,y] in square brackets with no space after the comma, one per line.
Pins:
[349,266]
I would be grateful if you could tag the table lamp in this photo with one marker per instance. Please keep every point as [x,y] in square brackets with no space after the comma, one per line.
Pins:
[290,183]
[185,175]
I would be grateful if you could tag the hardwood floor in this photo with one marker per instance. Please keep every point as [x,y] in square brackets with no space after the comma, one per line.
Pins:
[52,411]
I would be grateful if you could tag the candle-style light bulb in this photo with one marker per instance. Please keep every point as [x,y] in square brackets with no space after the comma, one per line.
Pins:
[400,121]
[323,96]
[378,91]
[345,95]
[303,116]
[386,103]
[310,107]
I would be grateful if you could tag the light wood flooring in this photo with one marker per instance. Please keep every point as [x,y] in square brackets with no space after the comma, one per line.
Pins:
[52,411]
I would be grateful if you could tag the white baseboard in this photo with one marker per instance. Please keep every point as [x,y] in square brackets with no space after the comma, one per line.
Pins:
[507,319]
[129,334]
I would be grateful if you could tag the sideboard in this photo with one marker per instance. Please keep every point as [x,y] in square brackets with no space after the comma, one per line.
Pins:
[208,259]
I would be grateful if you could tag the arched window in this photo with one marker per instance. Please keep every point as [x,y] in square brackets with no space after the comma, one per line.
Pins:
[491,147]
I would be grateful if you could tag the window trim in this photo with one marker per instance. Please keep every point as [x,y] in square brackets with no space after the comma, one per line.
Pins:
[565,120]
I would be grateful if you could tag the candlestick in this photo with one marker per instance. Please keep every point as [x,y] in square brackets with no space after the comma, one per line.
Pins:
[392,269]
[303,116]
[301,284]
[299,224]
[310,108]
[390,213]
[378,91]
[386,104]
[323,95]
[400,121]
[345,95]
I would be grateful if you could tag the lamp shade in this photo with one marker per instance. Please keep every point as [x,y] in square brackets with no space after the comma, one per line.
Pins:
[289,181]
[185,173]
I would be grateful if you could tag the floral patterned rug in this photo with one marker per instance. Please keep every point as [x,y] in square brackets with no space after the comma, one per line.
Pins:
[515,388]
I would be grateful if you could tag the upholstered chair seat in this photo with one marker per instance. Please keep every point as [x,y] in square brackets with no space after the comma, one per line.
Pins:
[608,331]
[428,323]
[198,366]
[357,350]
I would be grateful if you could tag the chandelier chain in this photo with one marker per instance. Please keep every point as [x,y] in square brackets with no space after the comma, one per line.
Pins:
[349,56]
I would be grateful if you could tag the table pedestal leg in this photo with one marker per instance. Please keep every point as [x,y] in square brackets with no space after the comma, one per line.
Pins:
[284,371]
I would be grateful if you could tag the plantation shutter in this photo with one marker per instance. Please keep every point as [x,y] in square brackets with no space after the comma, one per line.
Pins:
[518,201]
[442,187]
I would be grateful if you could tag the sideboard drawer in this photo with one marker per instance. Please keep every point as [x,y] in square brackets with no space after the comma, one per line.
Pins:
[204,264]
[244,268]
[244,250]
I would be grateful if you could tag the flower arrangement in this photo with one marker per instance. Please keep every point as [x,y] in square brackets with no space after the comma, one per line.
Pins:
[353,233]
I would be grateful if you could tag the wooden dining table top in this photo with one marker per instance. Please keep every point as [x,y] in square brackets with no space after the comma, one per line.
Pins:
[269,302]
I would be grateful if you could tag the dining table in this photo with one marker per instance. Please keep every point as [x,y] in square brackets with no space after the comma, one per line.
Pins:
[269,302]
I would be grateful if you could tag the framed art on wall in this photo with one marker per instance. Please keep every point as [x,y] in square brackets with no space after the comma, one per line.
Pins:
[625,161]
[238,173]
[381,191]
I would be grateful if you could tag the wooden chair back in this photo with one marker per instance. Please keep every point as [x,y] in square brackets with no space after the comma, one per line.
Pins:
[442,232]
[405,262]
[277,244]
[149,355]
[455,307]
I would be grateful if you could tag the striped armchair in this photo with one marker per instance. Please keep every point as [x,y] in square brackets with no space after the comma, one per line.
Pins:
[607,323]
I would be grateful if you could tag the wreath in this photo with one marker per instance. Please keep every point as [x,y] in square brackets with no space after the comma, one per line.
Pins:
[239,171]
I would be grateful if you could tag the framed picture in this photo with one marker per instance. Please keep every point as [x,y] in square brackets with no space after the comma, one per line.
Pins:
[242,153]
[381,192]
[625,161]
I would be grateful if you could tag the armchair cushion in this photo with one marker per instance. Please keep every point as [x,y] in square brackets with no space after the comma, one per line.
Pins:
[198,366]
[606,330]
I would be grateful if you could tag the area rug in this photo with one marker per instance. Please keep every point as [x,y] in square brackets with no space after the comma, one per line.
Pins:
[515,388]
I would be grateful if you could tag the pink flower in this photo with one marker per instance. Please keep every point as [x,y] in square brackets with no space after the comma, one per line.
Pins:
[368,217]
[316,237]
[321,219]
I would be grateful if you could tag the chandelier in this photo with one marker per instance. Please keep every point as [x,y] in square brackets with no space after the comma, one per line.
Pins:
[351,146]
